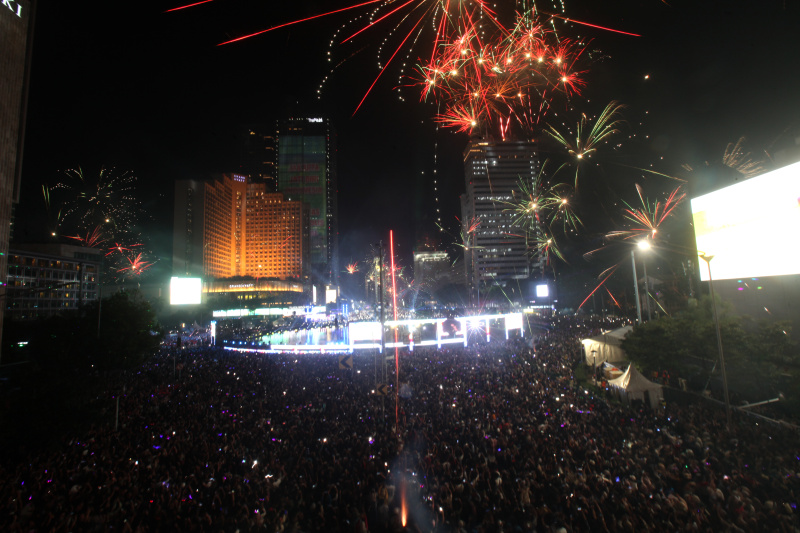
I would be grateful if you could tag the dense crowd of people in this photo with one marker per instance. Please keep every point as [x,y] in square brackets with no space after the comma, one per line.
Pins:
[496,437]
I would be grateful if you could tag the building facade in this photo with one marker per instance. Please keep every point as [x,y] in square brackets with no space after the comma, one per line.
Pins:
[231,227]
[47,280]
[258,158]
[307,173]
[16,36]
[432,269]
[496,250]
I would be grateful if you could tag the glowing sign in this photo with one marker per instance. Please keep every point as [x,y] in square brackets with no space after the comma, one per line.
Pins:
[364,331]
[331,295]
[514,321]
[762,211]
[183,291]
[542,291]
[315,120]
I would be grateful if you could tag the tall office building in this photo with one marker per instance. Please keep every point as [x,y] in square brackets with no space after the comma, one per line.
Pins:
[307,173]
[432,269]
[258,158]
[16,36]
[496,252]
[232,227]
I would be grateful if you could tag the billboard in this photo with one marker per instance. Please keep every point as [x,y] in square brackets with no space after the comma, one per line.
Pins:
[183,291]
[542,291]
[751,228]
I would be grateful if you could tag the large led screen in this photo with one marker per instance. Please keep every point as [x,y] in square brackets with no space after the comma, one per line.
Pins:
[751,228]
[183,291]
[365,331]
[542,291]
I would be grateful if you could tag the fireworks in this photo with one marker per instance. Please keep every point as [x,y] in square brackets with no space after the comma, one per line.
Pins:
[136,266]
[647,220]
[740,161]
[467,235]
[539,210]
[352,268]
[511,77]
[107,199]
[91,239]
[101,208]
[588,137]
[118,248]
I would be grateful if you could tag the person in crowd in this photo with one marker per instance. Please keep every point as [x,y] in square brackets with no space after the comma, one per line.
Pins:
[489,438]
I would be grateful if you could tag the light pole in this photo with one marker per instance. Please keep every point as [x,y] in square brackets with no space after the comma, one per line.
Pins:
[646,282]
[707,259]
[594,366]
[644,245]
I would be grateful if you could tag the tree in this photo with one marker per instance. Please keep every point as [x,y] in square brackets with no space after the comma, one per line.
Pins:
[119,333]
[686,345]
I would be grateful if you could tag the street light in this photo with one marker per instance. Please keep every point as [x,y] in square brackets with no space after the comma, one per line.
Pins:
[643,245]
[707,259]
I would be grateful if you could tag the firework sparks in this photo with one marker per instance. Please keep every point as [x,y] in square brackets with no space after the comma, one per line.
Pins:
[510,76]
[107,199]
[92,239]
[588,137]
[647,220]
[100,208]
[118,248]
[352,268]
[136,266]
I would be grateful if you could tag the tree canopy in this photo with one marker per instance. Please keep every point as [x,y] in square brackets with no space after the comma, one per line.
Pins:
[760,358]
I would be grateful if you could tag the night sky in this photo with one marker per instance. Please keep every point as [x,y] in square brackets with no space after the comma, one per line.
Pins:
[125,84]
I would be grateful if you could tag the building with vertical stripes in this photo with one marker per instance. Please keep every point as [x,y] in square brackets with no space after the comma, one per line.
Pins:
[230,227]
[496,252]
[16,36]
[306,151]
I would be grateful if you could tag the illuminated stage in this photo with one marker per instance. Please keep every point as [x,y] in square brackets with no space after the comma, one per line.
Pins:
[406,334]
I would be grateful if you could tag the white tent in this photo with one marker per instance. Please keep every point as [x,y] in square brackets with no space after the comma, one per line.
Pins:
[632,385]
[605,347]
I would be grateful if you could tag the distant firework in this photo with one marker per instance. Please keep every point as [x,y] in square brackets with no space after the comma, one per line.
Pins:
[136,265]
[98,209]
[512,87]
[588,136]
[510,78]
[645,221]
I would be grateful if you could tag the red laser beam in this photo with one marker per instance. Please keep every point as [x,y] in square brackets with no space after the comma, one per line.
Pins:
[299,21]
[188,5]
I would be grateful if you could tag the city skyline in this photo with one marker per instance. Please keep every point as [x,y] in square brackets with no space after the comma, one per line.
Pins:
[138,88]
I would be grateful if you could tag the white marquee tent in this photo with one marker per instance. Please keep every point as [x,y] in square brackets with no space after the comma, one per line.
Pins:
[632,385]
[605,347]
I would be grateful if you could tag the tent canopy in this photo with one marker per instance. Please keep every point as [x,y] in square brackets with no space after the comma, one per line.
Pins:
[606,347]
[632,385]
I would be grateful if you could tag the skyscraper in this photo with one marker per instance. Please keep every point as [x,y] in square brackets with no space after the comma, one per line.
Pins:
[495,249]
[16,35]
[257,155]
[230,227]
[307,173]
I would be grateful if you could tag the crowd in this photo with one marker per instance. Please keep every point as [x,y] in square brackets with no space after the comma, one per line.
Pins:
[492,438]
